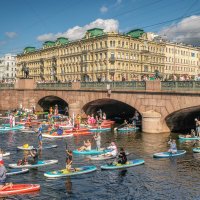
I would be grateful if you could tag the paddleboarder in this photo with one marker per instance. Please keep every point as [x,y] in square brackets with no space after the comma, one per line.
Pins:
[173,148]
[3,184]
[122,159]
[69,158]
[97,138]
[40,137]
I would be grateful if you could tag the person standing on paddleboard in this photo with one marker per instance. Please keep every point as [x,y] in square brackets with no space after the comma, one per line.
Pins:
[69,158]
[40,137]
[97,138]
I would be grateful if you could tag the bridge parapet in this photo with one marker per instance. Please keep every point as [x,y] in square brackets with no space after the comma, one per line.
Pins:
[6,86]
[54,86]
[125,85]
[179,86]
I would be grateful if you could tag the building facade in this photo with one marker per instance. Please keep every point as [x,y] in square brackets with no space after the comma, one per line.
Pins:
[8,67]
[181,60]
[100,56]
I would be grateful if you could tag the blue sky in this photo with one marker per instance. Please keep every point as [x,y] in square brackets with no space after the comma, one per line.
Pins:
[30,22]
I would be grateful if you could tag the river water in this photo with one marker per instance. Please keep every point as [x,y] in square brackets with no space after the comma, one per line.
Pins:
[175,178]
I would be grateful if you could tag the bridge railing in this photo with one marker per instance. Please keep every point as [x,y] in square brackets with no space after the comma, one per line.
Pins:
[6,86]
[180,86]
[54,86]
[126,85]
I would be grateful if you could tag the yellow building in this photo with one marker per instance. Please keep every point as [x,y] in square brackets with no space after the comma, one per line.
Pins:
[98,56]
[181,59]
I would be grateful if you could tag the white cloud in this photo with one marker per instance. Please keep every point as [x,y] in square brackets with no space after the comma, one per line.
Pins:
[11,34]
[78,32]
[103,9]
[186,31]
[118,2]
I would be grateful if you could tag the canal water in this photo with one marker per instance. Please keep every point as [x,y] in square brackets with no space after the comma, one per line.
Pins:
[159,179]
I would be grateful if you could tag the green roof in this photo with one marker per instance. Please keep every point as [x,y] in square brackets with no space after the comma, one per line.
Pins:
[62,41]
[49,44]
[95,32]
[29,49]
[136,33]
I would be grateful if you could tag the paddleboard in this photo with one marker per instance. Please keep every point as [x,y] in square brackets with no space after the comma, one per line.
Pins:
[91,152]
[6,154]
[127,129]
[65,172]
[27,131]
[18,127]
[16,171]
[192,138]
[168,154]
[39,164]
[19,189]
[43,147]
[57,136]
[196,150]
[103,157]
[99,129]
[130,163]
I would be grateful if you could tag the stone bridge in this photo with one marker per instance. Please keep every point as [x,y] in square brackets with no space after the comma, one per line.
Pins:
[163,106]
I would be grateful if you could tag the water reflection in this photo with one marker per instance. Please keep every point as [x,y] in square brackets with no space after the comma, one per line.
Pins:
[68,185]
[175,178]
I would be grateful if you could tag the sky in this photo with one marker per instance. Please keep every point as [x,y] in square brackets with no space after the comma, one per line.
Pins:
[31,22]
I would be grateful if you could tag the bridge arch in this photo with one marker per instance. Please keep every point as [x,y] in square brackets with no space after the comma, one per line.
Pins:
[50,101]
[113,108]
[183,120]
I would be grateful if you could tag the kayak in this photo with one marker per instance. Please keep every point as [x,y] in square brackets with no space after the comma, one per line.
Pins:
[191,138]
[90,152]
[40,163]
[57,136]
[196,150]
[168,154]
[77,130]
[31,147]
[28,123]
[81,133]
[65,172]
[17,127]
[16,171]
[99,129]
[130,163]
[19,189]
[127,129]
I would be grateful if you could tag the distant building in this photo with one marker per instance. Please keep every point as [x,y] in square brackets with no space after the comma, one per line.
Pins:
[8,67]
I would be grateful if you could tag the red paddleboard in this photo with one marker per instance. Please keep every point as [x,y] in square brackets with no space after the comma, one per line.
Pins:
[19,189]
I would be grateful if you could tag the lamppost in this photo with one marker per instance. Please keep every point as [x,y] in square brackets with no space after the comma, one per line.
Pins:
[112,73]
